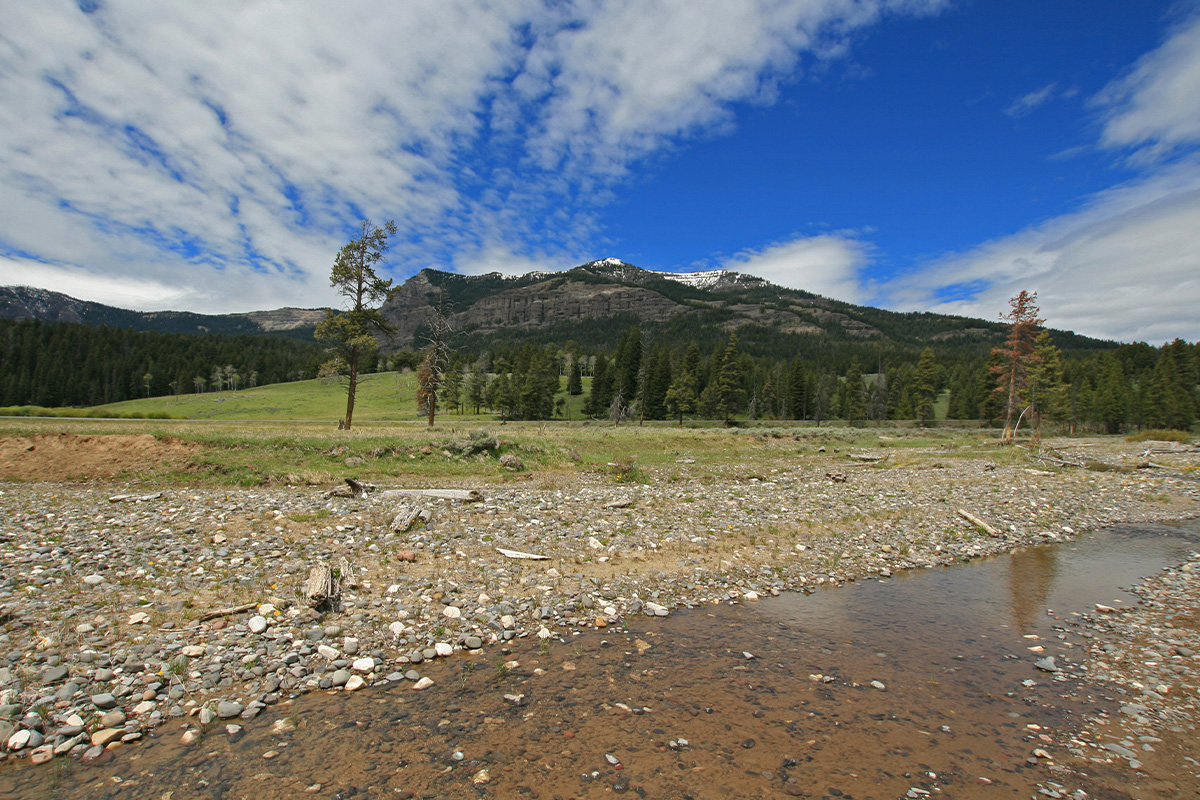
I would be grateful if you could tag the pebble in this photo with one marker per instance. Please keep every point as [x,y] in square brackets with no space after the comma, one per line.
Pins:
[149,557]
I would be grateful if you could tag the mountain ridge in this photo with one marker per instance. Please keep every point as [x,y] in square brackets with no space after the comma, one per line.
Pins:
[591,304]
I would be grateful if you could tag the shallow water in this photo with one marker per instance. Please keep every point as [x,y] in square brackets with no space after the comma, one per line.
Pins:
[774,699]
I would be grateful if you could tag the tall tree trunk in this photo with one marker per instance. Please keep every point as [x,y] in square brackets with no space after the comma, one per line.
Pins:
[352,387]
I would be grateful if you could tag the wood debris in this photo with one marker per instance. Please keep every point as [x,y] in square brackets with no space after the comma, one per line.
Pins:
[518,554]
[134,498]
[465,495]
[978,523]
[407,516]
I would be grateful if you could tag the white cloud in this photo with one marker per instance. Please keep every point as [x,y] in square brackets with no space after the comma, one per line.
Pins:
[1127,266]
[827,265]
[219,153]
[1026,104]
[1155,108]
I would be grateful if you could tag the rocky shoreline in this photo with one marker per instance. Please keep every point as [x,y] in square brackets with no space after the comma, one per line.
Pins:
[125,608]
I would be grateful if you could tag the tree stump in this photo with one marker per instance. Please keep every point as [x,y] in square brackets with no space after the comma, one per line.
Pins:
[321,587]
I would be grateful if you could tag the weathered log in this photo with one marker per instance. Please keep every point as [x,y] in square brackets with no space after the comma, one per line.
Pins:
[466,495]
[346,576]
[977,522]
[519,554]
[227,612]
[358,488]
[321,586]
[866,458]
[407,516]
[134,498]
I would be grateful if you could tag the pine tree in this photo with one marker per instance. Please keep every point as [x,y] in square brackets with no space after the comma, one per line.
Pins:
[729,394]
[925,386]
[1047,393]
[350,335]
[1016,356]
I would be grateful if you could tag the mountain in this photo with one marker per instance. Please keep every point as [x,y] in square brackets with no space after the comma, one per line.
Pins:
[24,302]
[594,303]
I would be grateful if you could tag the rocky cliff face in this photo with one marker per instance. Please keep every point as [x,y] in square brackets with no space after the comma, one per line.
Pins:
[557,299]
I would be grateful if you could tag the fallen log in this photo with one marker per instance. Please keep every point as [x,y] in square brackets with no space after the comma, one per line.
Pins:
[866,458]
[465,495]
[134,498]
[407,516]
[227,612]
[977,522]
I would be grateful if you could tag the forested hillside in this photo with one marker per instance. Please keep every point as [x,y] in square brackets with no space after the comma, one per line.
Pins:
[67,364]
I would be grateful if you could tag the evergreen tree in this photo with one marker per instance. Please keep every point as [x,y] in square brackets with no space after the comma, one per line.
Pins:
[798,385]
[1047,392]
[1016,356]
[575,378]
[925,386]
[853,393]
[350,335]
[729,395]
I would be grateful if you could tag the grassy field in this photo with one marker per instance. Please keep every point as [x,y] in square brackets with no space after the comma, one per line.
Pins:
[381,397]
[270,452]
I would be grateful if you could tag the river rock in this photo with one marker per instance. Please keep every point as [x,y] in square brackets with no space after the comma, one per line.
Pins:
[227,709]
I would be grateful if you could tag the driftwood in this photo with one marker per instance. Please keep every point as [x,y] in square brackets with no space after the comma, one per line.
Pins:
[977,522]
[519,554]
[134,498]
[227,612]
[866,458]
[321,586]
[407,516]
[465,495]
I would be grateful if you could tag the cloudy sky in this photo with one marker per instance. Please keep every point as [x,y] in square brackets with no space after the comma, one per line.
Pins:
[912,154]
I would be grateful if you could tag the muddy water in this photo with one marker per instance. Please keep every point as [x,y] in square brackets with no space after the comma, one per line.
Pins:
[921,683]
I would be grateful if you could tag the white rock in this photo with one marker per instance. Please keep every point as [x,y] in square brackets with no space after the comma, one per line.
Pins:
[751,596]
[424,683]
[139,618]
[655,610]
[355,683]
[508,622]
[144,707]
[94,580]
[325,651]
[257,624]
[193,650]
[364,664]
[19,740]
[453,612]
[444,649]
[397,629]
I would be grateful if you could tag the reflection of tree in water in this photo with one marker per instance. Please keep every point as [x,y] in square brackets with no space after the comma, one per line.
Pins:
[1031,576]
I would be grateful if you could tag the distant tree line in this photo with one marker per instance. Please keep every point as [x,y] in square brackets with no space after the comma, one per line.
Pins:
[1126,387]
[54,364]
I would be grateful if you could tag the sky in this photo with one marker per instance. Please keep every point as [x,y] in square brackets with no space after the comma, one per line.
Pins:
[917,155]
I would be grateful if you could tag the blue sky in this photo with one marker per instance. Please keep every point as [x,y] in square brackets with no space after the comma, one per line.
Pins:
[912,154]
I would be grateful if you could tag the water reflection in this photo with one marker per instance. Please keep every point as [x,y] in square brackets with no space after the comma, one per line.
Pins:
[1031,575]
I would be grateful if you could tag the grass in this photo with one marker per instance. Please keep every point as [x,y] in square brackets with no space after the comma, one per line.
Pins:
[271,441]
[1159,435]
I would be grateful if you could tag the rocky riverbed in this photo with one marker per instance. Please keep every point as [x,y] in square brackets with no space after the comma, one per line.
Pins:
[125,607]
